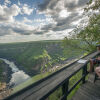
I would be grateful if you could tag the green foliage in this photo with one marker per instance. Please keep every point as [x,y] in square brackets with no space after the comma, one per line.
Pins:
[90,33]
[74,47]
[31,55]
[71,43]
[39,56]
[56,95]
[93,4]
[44,60]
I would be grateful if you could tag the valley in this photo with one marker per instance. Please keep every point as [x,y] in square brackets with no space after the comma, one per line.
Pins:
[36,57]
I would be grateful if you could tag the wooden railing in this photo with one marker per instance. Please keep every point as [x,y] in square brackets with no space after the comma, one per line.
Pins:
[45,87]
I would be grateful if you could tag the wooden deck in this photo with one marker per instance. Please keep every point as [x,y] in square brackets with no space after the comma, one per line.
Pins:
[88,91]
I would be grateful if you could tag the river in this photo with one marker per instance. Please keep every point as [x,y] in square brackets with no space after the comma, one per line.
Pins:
[18,76]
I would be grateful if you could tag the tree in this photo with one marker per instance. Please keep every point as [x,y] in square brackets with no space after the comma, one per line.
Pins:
[93,4]
[90,33]
[44,60]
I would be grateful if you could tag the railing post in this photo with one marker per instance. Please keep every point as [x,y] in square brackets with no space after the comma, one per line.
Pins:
[84,73]
[65,90]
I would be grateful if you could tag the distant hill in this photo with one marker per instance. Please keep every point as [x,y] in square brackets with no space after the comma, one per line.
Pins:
[36,56]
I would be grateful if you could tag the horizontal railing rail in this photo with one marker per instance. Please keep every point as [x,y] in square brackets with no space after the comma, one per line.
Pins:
[46,86]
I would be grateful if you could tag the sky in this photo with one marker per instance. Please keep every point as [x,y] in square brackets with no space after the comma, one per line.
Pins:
[33,20]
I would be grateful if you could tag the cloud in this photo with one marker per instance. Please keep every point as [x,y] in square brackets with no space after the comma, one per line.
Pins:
[55,18]
[71,5]
[22,31]
[26,9]
[16,28]
[20,28]
[63,23]
[82,2]
[9,25]
[7,13]
[48,27]
[40,32]
[64,12]
[6,2]
[4,30]
[58,5]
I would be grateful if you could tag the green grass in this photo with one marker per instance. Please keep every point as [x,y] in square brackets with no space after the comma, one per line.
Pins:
[74,91]
[56,95]
[72,82]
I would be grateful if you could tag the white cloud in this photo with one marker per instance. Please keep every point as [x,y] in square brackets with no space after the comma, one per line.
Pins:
[7,13]
[13,10]
[72,1]
[46,20]
[7,2]
[64,13]
[76,22]
[26,9]
[59,16]
[16,28]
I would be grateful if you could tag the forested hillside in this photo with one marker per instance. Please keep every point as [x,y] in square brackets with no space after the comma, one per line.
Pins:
[36,57]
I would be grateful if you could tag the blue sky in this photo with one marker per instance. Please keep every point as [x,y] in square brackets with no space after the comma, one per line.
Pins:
[33,20]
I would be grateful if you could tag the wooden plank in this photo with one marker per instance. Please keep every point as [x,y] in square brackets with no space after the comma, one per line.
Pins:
[46,87]
[88,91]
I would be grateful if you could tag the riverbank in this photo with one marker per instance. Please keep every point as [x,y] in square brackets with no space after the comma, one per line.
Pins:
[18,76]
[33,73]
[20,67]
[10,77]
[5,72]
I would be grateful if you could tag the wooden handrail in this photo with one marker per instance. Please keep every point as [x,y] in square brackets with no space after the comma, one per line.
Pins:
[46,86]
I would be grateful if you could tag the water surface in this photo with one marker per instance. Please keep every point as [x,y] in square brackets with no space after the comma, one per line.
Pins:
[18,76]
